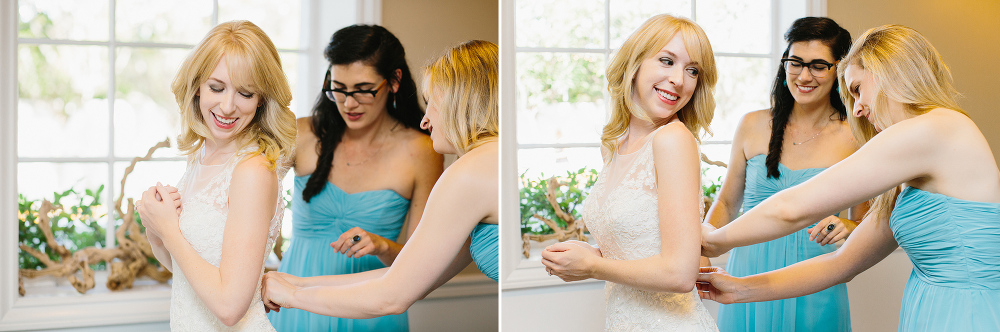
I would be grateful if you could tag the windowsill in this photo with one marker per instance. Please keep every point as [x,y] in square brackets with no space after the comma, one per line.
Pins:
[52,303]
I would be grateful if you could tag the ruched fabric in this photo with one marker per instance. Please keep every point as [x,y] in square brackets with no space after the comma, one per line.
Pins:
[320,222]
[826,310]
[484,249]
[954,246]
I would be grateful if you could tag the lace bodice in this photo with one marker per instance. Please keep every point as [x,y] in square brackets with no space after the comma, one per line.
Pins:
[621,213]
[204,193]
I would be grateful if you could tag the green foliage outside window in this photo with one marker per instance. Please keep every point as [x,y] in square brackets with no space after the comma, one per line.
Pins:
[76,224]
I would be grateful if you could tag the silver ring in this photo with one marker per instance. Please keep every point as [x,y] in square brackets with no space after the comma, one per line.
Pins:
[830,227]
[356,239]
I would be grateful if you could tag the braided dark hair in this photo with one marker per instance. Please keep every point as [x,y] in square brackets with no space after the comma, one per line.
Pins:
[803,29]
[375,46]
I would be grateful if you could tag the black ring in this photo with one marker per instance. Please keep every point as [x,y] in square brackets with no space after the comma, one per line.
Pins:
[356,238]
[830,228]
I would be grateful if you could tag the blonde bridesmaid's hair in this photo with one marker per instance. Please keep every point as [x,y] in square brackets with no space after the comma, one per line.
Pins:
[465,86]
[905,67]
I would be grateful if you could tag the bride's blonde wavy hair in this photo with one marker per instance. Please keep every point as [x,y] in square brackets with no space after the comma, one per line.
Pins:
[645,42]
[906,68]
[253,65]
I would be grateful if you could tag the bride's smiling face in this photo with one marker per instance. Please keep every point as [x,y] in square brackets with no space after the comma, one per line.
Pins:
[226,107]
[666,81]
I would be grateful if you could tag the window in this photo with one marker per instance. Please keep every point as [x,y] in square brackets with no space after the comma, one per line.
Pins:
[92,92]
[559,51]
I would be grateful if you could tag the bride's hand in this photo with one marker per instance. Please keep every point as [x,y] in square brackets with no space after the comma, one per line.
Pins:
[159,210]
[569,261]
[585,245]
[717,285]
[709,249]
[276,292]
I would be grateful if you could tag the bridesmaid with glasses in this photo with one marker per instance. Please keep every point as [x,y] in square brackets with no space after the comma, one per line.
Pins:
[363,172]
[804,132]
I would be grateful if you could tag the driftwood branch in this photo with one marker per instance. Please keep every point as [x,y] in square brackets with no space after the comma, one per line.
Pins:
[575,228]
[705,159]
[126,262]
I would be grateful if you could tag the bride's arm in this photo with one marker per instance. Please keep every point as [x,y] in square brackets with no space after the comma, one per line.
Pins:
[228,289]
[674,269]
[464,195]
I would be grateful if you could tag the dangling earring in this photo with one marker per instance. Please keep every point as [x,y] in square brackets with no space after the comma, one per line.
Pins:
[784,83]
[393,101]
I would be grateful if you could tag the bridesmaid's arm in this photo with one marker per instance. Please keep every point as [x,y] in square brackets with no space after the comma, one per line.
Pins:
[729,201]
[228,289]
[465,194]
[900,153]
[674,269]
[872,242]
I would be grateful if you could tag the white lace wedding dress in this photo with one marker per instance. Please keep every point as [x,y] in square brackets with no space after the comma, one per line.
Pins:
[204,193]
[621,214]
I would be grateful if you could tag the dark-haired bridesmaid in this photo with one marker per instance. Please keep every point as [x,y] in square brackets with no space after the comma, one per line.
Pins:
[804,132]
[363,171]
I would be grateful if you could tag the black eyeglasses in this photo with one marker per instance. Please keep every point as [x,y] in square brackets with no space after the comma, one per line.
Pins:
[340,95]
[818,68]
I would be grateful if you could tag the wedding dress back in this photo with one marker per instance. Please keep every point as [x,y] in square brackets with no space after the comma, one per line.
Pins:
[621,213]
[204,193]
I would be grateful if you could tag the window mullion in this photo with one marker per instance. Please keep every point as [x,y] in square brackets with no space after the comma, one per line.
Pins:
[109,235]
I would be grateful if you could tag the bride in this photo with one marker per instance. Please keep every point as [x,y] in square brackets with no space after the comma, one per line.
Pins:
[237,131]
[644,209]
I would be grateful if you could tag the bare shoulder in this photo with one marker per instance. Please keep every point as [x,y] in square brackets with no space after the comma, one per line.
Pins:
[255,171]
[935,125]
[756,120]
[478,168]
[304,125]
[674,138]
[419,146]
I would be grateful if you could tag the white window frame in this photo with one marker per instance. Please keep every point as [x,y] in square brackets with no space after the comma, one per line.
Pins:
[525,273]
[124,307]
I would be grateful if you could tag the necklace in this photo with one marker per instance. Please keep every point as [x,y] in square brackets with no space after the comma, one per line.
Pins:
[811,138]
[369,156]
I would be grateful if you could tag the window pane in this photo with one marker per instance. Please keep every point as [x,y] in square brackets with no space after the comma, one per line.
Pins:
[55,19]
[146,174]
[145,109]
[538,163]
[62,101]
[628,15]
[280,20]
[576,24]
[179,22]
[290,65]
[733,26]
[560,98]
[744,86]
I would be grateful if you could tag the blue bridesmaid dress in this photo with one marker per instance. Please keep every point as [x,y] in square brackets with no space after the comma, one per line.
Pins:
[318,223]
[954,246]
[826,310]
[484,249]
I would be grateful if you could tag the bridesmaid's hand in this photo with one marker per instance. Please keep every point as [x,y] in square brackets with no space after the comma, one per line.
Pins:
[569,261]
[822,234]
[357,242]
[717,285]
[709,248]
[159,210]
[276,292]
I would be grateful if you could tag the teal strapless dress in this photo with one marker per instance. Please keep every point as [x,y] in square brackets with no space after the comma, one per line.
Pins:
[318,223]
[954,246]
[484,249]
[826,310]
